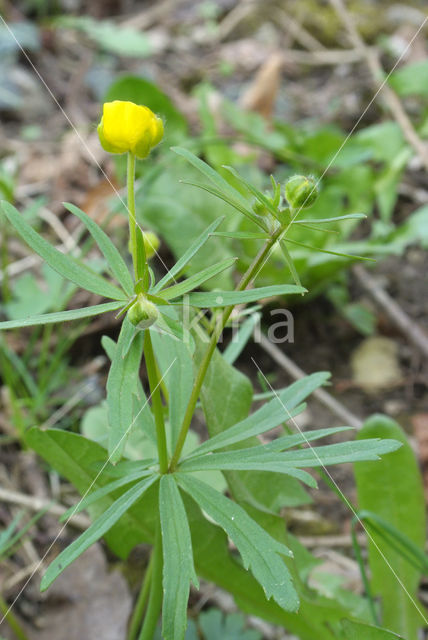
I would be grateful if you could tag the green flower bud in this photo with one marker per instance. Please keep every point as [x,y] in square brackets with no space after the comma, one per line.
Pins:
[151,243]
[259,209]
[301,192]
[143,313]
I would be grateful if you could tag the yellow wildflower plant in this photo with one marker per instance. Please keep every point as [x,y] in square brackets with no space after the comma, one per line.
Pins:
[126,126]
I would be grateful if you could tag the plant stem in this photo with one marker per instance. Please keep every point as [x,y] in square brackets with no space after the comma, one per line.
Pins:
[364,578]
[140,605]
[251,272]
[12,621]
[155,598]
[154,383]
[130,179]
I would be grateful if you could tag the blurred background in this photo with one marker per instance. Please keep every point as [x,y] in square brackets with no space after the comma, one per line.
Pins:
[269,87]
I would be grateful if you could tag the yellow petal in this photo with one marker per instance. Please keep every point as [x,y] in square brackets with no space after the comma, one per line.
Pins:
[126,126]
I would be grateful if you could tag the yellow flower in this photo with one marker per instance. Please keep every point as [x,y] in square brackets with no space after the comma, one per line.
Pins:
[126,126]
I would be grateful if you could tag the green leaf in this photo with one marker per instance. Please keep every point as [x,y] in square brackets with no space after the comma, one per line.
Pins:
[226,400]
[258,194]
[259,551]
[359,631]
[332,253]
[241,338]
[411,79]
[290,263]
[188,255]
[61,316]
[393,490]
[242,235]
[396,539]
[176,365]
[215,562]
[339,453]
[239,461]
[178,569]
[222,189]
[181,288]
[349,216]
[212,175]
[110,36]
[95,531]
[83,462]
[122,385]
[65,265]
[215,626]
[222,196]
[261,458]
[216,299]
[272,414]
[96,495]
[107,248]
[141,265]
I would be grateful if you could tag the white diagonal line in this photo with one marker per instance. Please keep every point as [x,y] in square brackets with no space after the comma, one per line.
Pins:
[39,564]
[81,139]
[345,499]
[403,53]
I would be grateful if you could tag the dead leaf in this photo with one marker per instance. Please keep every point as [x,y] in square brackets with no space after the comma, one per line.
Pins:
[420,430]
[375,364]
[261,95]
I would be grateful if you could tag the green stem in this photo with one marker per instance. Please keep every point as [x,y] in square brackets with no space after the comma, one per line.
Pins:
[12,621]
[130,178]
[155,392]
[140,605]
[251,272]
[155,598]
[364,578]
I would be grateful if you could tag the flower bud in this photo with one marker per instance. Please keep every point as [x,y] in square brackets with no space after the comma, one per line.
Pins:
[151,244]
[260,209]
[126,126]
[301,192]
[143,313]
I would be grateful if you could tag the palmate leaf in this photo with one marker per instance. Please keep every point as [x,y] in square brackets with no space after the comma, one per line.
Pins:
[214,299]
[177,290]
[188,255]
[65,265]
[61,316]
[272,414]
[107,248]
[259,551]
[178,569]
[95,531]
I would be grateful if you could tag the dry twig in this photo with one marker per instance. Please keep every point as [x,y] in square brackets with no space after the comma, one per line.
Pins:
[399,317]
[391,100]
